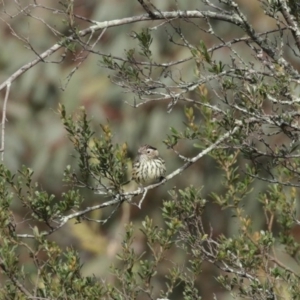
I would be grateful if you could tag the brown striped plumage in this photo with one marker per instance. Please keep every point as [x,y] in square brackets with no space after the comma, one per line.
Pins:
[148,167]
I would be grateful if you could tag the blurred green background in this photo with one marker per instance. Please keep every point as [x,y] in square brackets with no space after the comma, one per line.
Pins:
[35,135]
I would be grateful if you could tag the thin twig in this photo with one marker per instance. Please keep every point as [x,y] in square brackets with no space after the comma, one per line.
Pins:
[3,120]
[84,58]
[142,200]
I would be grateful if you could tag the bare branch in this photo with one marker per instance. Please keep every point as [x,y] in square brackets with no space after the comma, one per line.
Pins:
[119,22]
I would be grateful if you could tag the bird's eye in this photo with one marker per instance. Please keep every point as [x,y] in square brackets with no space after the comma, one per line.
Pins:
[148,151]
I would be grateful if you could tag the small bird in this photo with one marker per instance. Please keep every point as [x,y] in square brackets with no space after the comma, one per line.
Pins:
[148,167]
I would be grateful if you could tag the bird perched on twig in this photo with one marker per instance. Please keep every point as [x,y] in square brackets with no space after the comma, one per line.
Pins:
[148,167]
